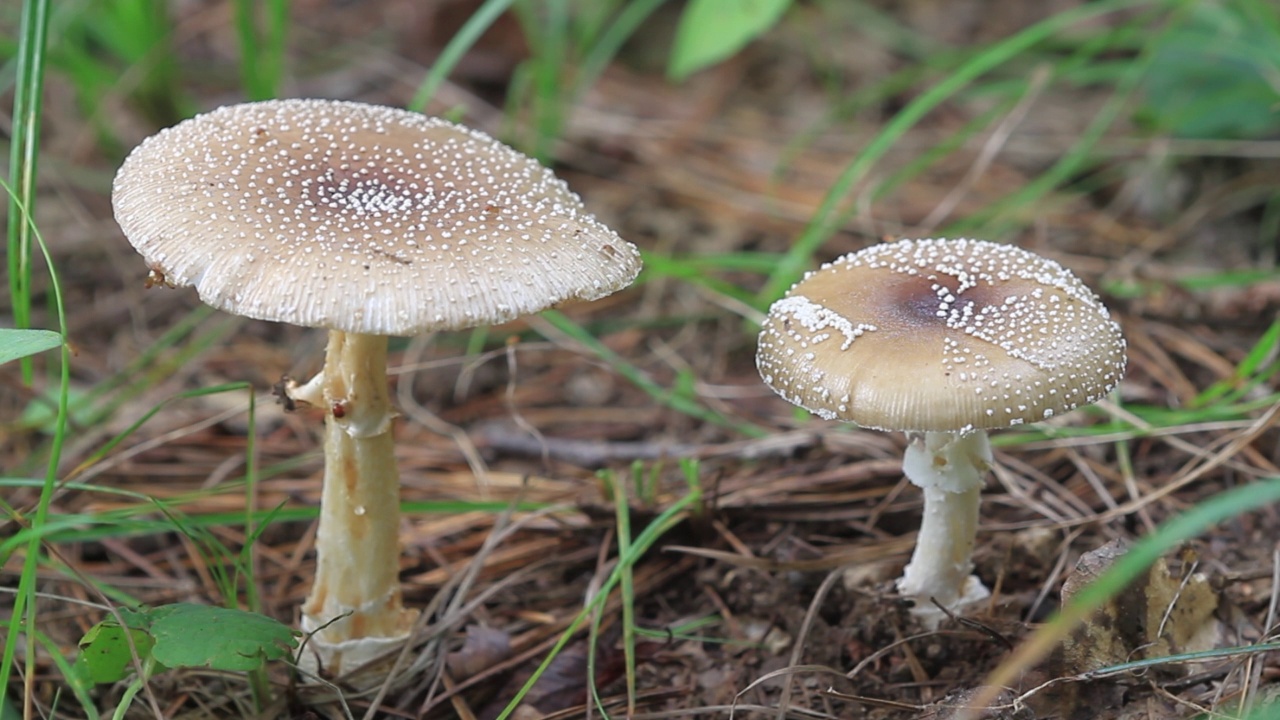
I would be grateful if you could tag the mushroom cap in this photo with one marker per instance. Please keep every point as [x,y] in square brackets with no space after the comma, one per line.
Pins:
[360,218]
[940,336]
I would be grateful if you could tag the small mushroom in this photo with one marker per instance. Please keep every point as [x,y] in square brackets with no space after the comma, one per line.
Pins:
[369,221]
[943,339]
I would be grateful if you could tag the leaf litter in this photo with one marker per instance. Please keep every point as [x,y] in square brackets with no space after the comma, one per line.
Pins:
[785,570]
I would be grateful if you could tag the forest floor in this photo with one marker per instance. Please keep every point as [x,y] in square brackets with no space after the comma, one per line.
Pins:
[768,587]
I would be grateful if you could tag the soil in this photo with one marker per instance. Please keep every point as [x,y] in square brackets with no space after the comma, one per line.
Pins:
[771,596]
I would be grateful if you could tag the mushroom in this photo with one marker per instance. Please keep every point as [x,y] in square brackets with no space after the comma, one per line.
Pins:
[368,221]
[943,339]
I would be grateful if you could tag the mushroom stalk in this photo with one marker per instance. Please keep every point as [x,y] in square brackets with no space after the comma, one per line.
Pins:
[948,467]
[357,542]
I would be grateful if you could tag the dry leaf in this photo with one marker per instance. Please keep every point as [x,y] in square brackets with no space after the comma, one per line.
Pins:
[483,648]
[1155,616]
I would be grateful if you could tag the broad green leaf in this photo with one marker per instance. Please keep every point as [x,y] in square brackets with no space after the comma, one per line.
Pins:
[19,343]
[713,30]
[182,635]
[105,655]
[188,635]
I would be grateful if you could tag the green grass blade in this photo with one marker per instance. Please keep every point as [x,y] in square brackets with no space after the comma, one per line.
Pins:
[466,36]
[622,512]
[24,606]
[1134,666]
[33,33]
[1249,372]
[76,684]
[660,525]
[1168,536]
[607,45]
[1012,209]
[135,521]
[546,27]
[159,359]
[277,42]
[826,219]
[248,556]
[122,435]
[261,50]
[671,398]
[693,270]
[247,35]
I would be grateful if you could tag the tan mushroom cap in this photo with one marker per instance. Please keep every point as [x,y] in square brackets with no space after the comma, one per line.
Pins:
[360,218]
[942,336]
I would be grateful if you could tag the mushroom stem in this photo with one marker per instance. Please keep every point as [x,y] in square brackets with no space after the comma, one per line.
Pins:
[357,543]
[948,467]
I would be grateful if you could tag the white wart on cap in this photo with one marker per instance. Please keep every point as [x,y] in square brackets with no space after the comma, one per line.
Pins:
[941,336]
[360,218]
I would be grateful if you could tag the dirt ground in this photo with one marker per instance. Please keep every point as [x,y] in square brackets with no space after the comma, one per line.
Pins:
[774,594]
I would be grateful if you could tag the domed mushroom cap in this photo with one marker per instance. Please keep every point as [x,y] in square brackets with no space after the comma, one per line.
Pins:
[940,335]
[360,218]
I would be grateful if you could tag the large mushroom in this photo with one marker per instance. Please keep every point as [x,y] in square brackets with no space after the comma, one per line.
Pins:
[943,339]
[369,221]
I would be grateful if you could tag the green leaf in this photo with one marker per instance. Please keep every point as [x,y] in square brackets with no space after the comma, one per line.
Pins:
[20,343]
[182,635]
[105,655]
[189,635]
[713,30]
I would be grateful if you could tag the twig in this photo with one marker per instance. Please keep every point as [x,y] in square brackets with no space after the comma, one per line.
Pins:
[500,436]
